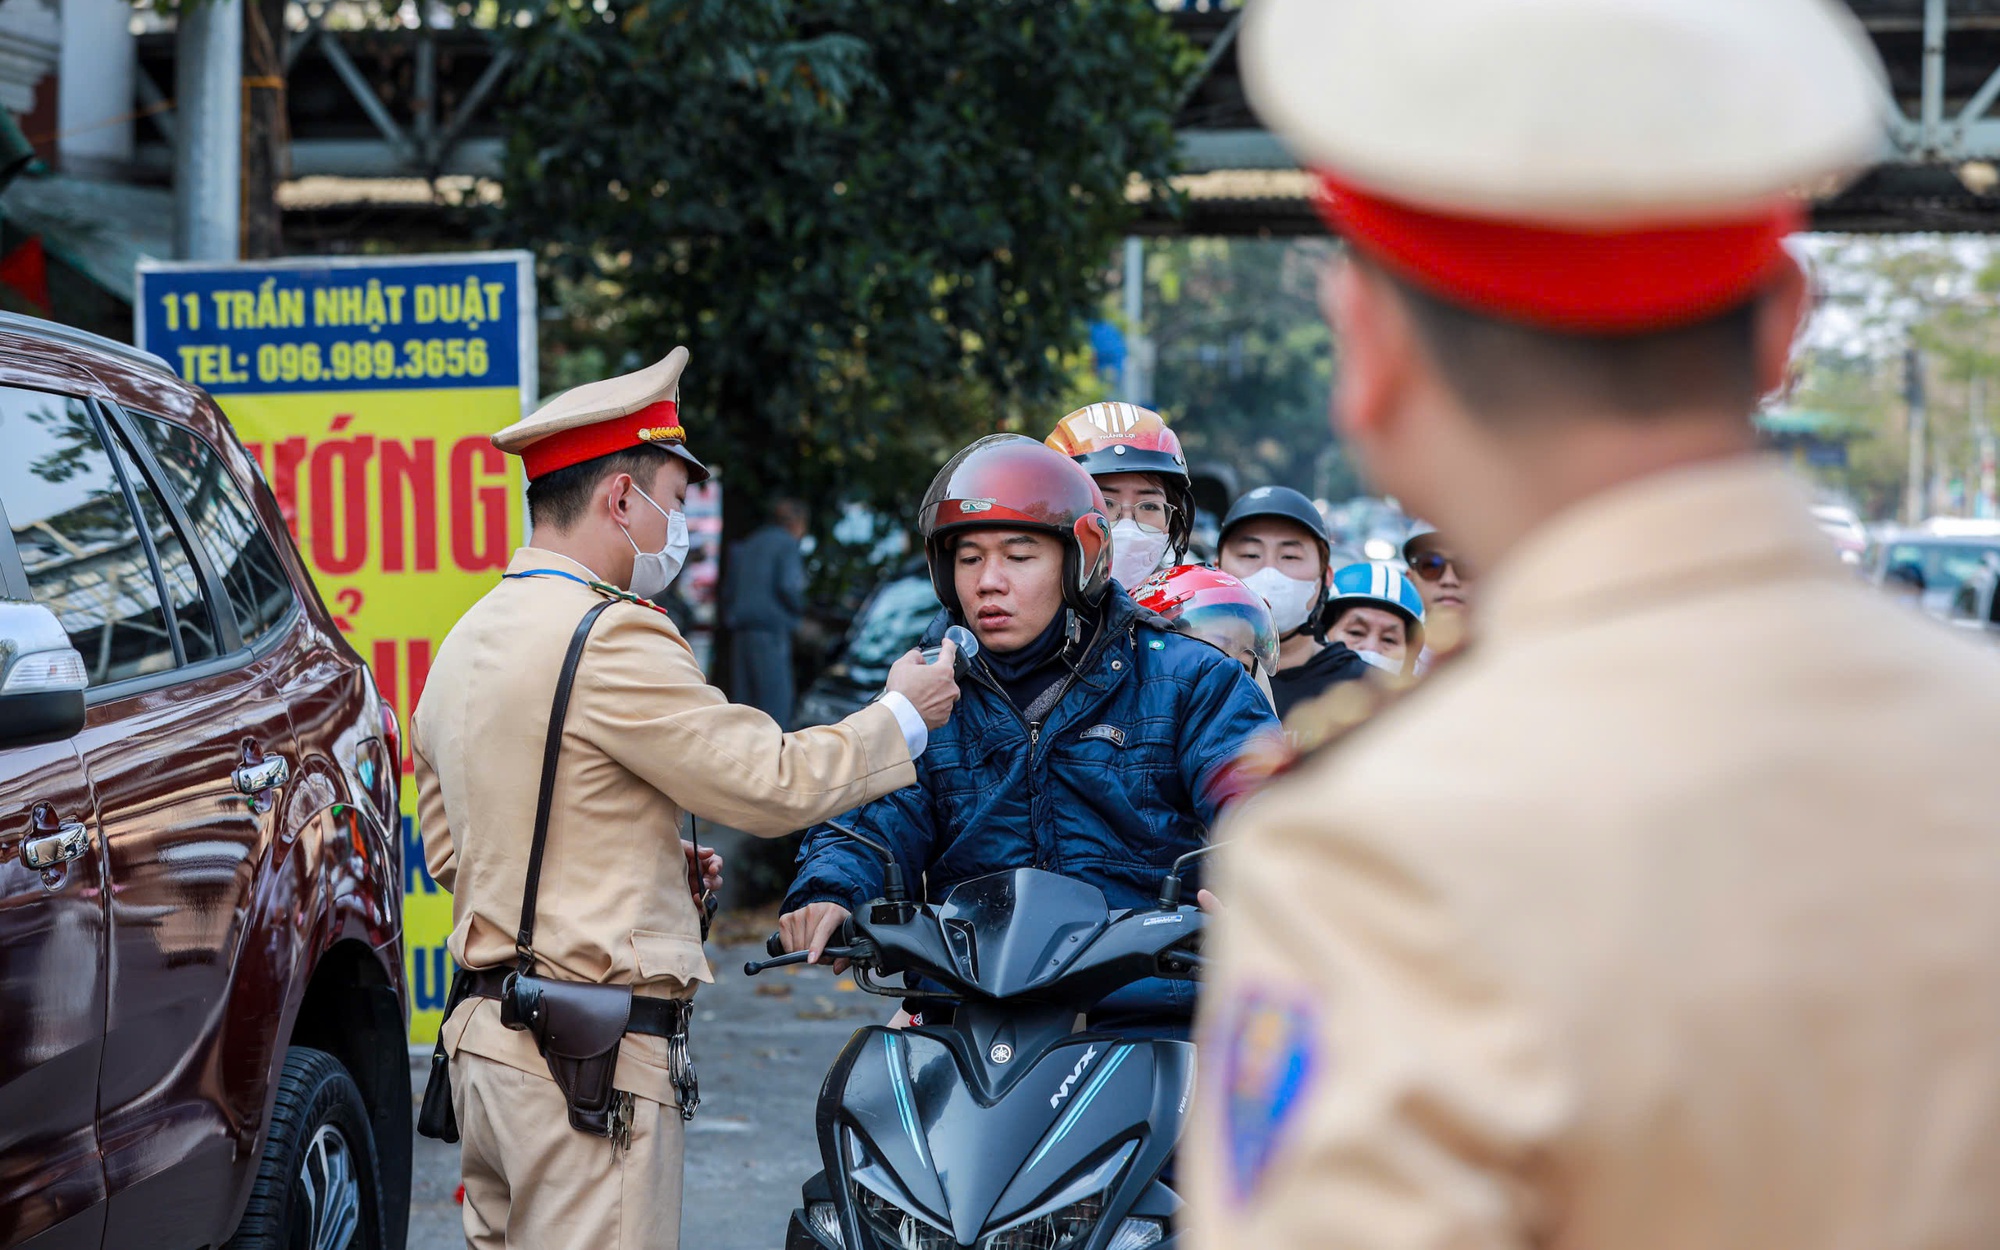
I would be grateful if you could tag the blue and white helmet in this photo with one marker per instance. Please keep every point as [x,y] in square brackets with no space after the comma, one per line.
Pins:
[1376,586]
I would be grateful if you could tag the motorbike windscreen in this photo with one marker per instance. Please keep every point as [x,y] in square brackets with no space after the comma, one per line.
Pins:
[1013,931]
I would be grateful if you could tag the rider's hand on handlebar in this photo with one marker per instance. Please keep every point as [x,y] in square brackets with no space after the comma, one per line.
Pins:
[811,928]
[930,688]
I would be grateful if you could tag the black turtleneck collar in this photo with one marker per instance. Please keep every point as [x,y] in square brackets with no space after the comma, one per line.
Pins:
[1025,674]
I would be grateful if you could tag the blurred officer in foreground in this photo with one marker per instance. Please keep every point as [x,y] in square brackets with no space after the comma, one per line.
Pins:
[596,1161]
[1663,916]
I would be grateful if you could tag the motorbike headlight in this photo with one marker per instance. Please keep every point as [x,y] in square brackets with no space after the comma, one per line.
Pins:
[823,1218]
[1137,1234]
[901,1229]
[1063,1229]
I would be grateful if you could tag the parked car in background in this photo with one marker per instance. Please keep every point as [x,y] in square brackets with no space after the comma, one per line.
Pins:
[1839,523]
[1944,560]
[889,622]
[202,1005]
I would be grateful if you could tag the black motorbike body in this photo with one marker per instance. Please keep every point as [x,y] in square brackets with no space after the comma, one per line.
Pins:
[995,1124]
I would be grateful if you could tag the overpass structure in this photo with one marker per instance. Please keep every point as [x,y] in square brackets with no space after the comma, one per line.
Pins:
[383,108]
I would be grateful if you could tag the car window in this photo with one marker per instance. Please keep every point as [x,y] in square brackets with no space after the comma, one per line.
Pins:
[893,622]
[259,592]
[192,617]
[78,541]
[1945,565]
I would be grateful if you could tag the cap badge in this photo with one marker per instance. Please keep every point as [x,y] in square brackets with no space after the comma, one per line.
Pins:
[663,434]
[975,505]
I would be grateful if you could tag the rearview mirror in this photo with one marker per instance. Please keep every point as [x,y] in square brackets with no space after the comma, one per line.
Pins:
[42,678]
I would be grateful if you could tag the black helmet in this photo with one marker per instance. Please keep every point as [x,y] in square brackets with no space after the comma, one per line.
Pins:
[1010,481]
[1277,501]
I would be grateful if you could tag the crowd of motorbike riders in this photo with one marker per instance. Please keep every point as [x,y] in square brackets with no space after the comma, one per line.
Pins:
[1121,698]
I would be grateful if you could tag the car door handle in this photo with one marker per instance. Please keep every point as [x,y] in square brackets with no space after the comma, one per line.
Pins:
[266,774]
[71,841]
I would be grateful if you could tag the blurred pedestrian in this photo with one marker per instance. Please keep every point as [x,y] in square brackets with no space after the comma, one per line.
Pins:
[1141,471]
[763,601]
[1275,542]
[563,731]
[1664,919]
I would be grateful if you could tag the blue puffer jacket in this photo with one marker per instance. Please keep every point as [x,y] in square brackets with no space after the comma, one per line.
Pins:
[1129,771]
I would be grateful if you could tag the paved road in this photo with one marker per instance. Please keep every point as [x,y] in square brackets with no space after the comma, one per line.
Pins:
[762,1047]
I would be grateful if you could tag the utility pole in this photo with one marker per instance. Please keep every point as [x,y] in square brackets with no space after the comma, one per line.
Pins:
[208,131]
[1138,344]
[1913,395]
[1984,503]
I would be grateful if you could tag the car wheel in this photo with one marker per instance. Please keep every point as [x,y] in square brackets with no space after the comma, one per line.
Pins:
[317,1186]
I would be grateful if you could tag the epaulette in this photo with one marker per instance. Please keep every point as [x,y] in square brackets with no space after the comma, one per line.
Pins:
[612,592]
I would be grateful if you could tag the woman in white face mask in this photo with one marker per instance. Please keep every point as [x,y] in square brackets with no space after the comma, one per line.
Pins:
[1275,541]
[1140,468]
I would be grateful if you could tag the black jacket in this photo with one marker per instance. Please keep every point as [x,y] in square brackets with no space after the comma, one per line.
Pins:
[1331,665]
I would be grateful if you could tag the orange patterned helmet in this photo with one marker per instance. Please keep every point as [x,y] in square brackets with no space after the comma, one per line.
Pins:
[1010,481]
[1125,438]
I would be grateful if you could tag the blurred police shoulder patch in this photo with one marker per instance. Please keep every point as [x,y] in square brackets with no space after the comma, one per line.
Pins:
[1270,1047]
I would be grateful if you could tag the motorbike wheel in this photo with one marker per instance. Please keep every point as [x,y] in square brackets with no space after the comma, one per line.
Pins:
[318,1187]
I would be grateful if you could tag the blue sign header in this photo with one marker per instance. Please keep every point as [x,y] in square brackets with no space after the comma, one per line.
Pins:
[404,323]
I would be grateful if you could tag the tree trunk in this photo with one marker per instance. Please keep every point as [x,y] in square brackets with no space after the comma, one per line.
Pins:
[266,135]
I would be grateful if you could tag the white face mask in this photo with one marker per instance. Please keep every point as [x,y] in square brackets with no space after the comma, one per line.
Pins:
[1381,661]
[654,571]
[1135,552]
[1291,600]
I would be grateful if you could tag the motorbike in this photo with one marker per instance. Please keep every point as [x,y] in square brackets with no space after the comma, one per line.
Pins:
[996,1123]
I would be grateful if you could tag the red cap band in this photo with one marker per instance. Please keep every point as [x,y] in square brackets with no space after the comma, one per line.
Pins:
[1607,281]
[655,423]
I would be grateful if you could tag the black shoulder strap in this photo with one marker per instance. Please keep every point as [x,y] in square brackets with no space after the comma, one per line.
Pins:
[524,943]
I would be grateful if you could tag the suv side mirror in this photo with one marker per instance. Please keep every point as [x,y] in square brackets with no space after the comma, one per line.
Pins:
[42,678]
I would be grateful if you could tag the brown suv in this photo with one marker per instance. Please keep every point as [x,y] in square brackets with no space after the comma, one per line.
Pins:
[202,1010]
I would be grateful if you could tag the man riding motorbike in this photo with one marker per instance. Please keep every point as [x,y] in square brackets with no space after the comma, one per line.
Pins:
[1090,739]
[1275,541]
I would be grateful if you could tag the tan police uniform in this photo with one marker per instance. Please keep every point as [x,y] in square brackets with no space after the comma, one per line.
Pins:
[1664,918]
[645,739]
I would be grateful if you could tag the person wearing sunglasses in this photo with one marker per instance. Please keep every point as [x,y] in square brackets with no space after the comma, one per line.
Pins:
[1444,578]
[1142,473]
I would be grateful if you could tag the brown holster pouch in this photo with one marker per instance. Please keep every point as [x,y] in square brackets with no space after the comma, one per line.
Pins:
[577,1028]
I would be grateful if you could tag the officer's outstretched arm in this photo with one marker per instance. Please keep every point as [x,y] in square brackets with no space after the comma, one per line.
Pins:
[642,699]
[1369,1081]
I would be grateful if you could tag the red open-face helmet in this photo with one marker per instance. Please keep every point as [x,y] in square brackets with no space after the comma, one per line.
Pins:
[1010,481]
[1211,605]
[1117,437]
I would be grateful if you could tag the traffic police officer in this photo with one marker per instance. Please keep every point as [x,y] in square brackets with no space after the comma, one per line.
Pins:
[1663,916]
[645,738]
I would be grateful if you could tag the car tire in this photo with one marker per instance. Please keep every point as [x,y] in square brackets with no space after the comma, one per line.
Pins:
[317,1186]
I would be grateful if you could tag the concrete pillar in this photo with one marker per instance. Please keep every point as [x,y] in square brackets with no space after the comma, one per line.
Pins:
[208,131]
[95,88]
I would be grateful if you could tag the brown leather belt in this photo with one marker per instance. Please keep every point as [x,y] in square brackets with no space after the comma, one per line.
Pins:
[654,1017]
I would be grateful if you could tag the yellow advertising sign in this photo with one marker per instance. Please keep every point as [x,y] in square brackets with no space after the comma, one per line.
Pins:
[367,389]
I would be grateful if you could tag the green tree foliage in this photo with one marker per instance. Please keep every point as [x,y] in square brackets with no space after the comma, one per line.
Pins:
[1879,297]
[878,225]
[1245,360]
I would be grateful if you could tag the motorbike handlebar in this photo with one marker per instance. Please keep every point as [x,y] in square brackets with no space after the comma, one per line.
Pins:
[858,951]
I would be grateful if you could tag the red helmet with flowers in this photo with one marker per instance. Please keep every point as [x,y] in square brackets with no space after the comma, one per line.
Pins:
[1125,438]
[1211,605]
[1010,481]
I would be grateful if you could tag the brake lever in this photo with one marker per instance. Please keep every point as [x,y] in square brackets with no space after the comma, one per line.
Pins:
[858,952]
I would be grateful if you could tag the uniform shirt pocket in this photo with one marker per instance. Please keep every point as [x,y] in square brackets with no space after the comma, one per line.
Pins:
[673,956]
